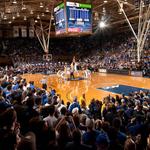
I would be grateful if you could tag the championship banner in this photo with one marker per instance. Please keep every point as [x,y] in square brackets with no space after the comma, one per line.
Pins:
[31,32]
[15,31]
[24,31]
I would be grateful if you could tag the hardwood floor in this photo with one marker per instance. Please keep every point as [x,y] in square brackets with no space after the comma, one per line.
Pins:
[69,89]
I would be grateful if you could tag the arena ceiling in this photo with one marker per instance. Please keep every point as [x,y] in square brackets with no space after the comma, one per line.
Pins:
[21,12]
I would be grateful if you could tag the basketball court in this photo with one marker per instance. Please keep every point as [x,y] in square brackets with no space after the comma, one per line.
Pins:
[99,86]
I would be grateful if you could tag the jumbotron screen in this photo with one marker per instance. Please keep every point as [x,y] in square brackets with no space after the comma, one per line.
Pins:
[60,19]
[73,18]
[79,17]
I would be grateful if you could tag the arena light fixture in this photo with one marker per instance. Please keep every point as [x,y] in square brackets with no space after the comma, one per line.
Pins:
[13,17]
[23,7]
[52,17]
[104,10]
[8,10]
[125,1]
[120,11]
[47,10]
[18,15]
[96,16]
[35,21]
[31,12]
[143,5]
[102,24]
[38,16]
[14,2]
[41,5]
[42,14]
[25,18]
[5,17]
[9,22]
[105,1]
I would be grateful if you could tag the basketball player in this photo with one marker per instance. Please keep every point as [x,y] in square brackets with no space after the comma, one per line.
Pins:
[65,69]
[74,64]
[87,74]
[72,74]
[72,68]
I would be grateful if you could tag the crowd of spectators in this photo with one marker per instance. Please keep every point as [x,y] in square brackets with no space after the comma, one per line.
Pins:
[32,118]
[29,51]
[121,55]
[116,53]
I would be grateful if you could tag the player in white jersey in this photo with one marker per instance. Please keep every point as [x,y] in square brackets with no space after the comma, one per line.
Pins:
[87,74]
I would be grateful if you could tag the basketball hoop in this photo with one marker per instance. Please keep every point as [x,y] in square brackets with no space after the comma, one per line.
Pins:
[47,57]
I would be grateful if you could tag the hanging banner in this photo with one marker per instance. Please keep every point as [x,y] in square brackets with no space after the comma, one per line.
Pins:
[31,32]
[24,31]
[15,31]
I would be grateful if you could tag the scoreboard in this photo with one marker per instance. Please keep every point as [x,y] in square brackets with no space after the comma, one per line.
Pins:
[71,17]
[60,20]
[79,17]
